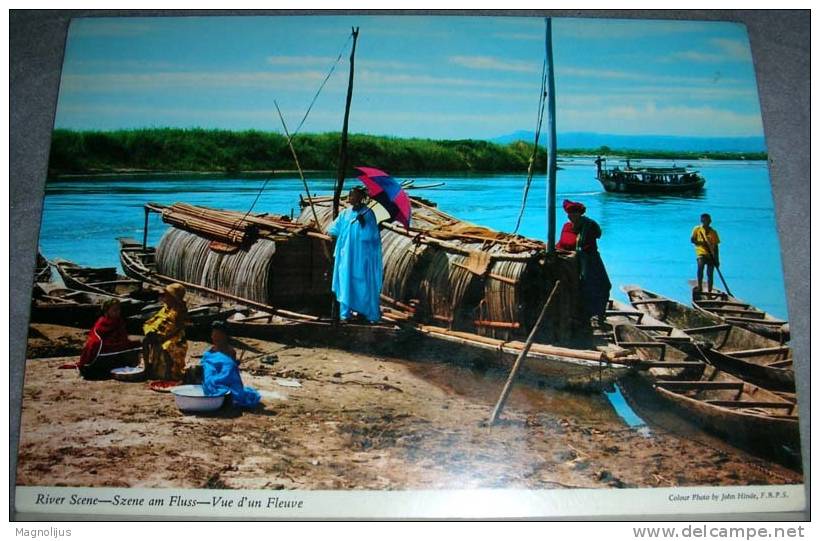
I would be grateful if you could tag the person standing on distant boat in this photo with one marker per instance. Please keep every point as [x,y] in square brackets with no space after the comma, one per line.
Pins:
[599,165]
[358,267]
[706,241]
[580,235]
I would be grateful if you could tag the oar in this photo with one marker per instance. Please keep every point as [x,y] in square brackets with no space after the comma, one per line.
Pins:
[712,255]
[521,356]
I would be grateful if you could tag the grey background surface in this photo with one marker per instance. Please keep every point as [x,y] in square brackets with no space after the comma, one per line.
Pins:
[780,42]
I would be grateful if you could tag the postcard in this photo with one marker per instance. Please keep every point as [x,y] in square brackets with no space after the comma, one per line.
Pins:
[408,266]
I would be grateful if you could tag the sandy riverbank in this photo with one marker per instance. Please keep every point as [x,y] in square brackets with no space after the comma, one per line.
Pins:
[356,422]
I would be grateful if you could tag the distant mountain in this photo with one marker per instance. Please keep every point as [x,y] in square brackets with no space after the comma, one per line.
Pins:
[643,142]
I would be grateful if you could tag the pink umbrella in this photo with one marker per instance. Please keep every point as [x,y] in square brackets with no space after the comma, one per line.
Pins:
[388,193]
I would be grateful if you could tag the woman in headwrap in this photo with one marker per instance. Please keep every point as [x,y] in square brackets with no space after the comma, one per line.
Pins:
[108,345]
[220,370]
[165,346]
[580,235]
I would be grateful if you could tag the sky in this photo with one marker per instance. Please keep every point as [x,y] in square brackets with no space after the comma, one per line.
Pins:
[431,77]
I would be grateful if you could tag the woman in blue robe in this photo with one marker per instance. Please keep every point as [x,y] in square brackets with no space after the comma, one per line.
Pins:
[220,370]
[357,272]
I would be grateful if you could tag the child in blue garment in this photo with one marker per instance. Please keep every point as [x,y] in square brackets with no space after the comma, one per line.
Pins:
[220,370]
[358,268]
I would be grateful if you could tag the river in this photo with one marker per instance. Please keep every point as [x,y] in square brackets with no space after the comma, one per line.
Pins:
[645,238]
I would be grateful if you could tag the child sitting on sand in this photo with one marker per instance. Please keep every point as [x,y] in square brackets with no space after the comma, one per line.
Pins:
[220,370]
[108,345]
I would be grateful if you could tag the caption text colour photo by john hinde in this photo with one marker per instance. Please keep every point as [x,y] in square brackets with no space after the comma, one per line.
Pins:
[299,254]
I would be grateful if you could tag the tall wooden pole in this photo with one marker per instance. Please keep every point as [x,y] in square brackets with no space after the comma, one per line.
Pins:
[340,175]
[552,142]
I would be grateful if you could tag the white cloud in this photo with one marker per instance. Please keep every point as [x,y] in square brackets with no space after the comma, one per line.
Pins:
[106,82]
[609,29]
[407,79]
[733,49]
[671,120]
[495,64]
[594,73]
[722,50]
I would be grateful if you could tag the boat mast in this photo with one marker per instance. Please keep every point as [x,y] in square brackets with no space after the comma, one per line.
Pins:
[552,143]
[340,175]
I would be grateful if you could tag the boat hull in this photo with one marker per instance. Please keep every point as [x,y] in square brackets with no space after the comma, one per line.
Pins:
[411,342]
[723,339]
[625,186]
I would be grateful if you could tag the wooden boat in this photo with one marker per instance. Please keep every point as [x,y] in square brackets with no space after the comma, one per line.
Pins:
[739,412]
[103,281]
[618,313]
[56,304]
[200,317]
[138,262]
[740,352]
[42,269]
[657,180]
[554,366]
[740,313]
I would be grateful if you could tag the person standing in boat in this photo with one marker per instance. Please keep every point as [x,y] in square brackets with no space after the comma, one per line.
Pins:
[580,235]
[358,267]
[706,241]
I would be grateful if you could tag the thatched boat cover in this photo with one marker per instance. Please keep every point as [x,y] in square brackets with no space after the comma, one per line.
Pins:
[470,278]
[277,263]
[441,270]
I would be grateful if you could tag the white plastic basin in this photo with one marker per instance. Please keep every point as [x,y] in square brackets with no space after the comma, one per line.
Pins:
[193,398]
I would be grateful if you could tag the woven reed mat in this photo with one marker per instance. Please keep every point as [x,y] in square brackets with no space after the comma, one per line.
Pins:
[478,263]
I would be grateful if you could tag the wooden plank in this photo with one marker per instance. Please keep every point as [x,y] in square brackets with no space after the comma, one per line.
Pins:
[777,350]
[734,385]
[646,345]
[665,328]
[497,324]
[740,311]
[625,313]
[772,322]
[651,301]
[749,404]
[723,327]
[669,364]
[781,364]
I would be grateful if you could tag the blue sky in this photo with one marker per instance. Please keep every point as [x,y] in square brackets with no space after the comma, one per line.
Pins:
[437,77]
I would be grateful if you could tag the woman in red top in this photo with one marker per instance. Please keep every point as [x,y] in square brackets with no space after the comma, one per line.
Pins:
[108,345]
[580,235]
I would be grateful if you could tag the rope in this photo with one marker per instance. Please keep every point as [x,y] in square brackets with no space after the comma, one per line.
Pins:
[299,127]
[541,106]
[322,86]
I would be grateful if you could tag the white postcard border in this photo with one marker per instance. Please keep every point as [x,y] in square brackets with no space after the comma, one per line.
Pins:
[468,503]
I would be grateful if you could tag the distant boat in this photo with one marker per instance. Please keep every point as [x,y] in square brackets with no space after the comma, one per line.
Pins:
[661,180]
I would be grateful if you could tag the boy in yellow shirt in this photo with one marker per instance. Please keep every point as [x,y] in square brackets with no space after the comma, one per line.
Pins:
[706,241]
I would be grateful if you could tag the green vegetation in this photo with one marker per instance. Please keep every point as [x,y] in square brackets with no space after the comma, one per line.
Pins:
[199,150]
[665,154]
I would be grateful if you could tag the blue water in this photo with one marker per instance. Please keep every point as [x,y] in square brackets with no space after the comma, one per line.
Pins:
[625,412]
[645,238]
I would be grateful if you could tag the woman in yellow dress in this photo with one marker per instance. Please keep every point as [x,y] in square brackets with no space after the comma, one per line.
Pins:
[165,346]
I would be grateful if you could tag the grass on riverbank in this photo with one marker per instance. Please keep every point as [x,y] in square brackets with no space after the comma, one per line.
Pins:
[200,150]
